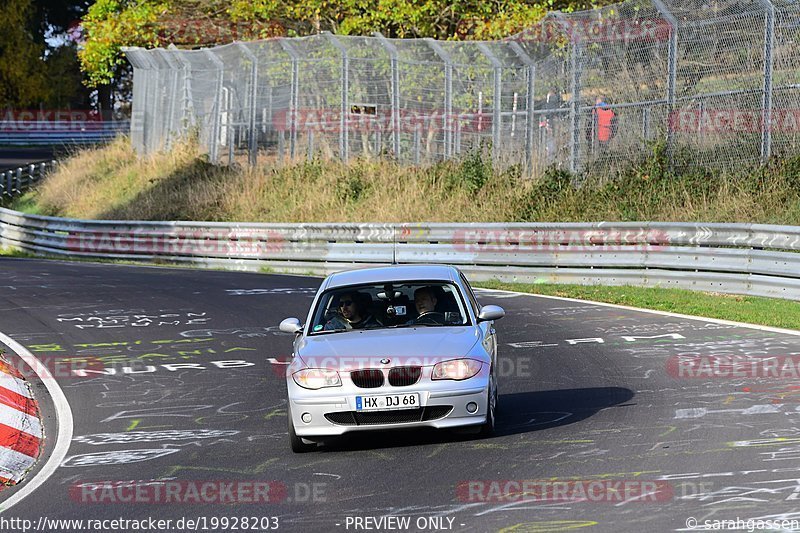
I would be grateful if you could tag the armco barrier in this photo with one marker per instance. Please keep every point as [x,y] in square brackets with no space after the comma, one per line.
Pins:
[752,259]
[15,181]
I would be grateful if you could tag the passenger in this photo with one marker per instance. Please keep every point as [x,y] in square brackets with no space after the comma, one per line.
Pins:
[353,313]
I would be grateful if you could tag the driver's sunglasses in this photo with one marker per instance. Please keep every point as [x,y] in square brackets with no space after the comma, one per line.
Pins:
[344,303]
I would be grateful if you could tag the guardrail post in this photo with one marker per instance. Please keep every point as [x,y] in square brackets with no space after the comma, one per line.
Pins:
[766,103]
[395,87]
[294,98]
[18,185]
[497,117]
[672,68]
[448,95]
[344,140]
[529,102]
[252,139]
[217,108]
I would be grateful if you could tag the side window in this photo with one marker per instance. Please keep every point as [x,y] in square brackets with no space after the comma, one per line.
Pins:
[471,295]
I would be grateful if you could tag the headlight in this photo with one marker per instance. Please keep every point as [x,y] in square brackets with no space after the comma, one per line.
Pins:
[317,378]
[456,369]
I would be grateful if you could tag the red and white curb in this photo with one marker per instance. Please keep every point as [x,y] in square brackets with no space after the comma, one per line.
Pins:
[59,442]
[20,426]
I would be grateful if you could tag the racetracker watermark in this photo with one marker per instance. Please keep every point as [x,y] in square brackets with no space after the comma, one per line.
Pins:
[45,366]
[370,119]
[196,492]
[33,120]
[734,121]
[193,242]
[520,367]
[537,240]
[597,30]
[207,31]
[592,491]
[713,366]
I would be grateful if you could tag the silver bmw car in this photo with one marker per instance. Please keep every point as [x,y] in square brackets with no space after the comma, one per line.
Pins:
[401,346]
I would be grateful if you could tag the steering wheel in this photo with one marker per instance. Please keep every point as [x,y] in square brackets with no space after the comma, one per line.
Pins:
[431,317]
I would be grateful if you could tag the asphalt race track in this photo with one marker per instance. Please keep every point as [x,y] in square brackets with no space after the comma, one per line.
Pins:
[589,397]
[15,156]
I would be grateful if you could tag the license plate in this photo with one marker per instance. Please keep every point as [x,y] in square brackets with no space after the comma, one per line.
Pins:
[387,402]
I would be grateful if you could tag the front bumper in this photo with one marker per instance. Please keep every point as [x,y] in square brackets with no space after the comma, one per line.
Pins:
[453,394]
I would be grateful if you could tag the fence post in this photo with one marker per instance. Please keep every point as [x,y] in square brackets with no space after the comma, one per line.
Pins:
[344,141]
[575,108]
[170,116]
[497,117]
[294,98]
[188,120]
[157,116]
[766,104]
[672,67]
[530,102]
[252,138]
[139,98]
[576,56]
[148,126]
[448,94]
[395,70]
[217,108]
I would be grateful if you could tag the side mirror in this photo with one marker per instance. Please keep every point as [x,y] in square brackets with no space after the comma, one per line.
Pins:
[491,312]
[291,325]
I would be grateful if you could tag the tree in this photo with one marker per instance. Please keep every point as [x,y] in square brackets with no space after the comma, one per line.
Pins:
[112,24]
[23,82]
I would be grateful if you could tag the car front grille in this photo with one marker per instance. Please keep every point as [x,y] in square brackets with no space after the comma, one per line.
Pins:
[399,416]
[403,376]
[367,379]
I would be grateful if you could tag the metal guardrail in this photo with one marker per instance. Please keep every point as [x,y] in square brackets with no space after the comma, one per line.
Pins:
[752,259]
[15,181]
[36,133]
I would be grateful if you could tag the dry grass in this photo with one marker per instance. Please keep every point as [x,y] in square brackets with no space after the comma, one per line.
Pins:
[111,182]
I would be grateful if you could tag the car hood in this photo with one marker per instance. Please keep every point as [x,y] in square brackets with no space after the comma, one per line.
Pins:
[367,348]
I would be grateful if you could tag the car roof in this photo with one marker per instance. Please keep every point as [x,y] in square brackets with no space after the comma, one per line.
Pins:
[392,273]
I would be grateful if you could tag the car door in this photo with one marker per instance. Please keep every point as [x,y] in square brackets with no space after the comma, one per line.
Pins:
[488,332]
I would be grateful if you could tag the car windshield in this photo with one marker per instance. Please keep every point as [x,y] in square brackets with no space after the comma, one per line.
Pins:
[389,305]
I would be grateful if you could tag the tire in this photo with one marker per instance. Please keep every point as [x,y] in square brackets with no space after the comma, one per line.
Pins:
[297,443]
[488,427]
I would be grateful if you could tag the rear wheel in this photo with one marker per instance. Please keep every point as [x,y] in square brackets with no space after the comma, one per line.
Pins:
[299,445]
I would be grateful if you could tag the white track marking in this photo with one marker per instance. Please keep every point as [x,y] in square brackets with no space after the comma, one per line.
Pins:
[63,417]
[653,311]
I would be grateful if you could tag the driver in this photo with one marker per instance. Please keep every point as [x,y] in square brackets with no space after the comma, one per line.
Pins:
[353,313]
[425,300]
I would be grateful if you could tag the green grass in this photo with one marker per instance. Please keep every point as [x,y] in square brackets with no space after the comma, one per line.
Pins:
[773,312]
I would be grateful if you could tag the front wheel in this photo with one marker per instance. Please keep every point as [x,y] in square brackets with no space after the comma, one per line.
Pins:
[488,427]
[298,444]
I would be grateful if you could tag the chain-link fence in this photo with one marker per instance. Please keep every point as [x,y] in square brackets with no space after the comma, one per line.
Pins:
[719,79]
